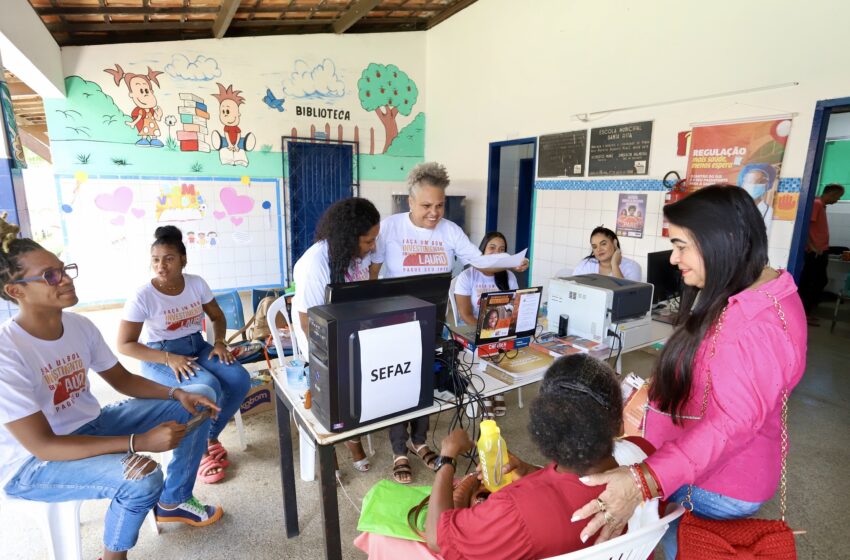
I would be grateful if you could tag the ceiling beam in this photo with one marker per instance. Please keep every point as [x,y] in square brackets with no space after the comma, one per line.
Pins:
[125,11]
[35,138]
[20,89]
[245,23]
[355,13]
[113,27]
[448,12]
[225,16]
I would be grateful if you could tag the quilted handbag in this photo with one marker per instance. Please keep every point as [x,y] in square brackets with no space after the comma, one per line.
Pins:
[750,539]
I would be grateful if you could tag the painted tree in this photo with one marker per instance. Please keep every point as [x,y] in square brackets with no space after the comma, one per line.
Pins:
[388,91]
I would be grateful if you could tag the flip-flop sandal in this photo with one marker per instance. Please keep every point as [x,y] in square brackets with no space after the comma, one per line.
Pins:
[489,408]
[401,469]
[423,452]
[205,473]
[499,407]
[361,465]
[219,453]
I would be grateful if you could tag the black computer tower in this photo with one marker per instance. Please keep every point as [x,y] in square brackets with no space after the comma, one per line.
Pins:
[335,359]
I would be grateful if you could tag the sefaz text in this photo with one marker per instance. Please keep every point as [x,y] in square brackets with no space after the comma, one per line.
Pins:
[390,371]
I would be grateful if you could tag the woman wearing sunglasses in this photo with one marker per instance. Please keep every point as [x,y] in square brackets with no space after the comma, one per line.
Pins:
[171,308]
[56,443]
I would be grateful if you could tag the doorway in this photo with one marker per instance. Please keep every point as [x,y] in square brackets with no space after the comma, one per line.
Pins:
[510,194]
[827,162]
[318,175]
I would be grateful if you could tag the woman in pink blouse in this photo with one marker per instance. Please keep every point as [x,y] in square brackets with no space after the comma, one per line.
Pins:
[717,388]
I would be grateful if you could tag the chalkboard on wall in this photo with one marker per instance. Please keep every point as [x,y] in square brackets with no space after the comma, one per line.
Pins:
[620,150]
[562,155]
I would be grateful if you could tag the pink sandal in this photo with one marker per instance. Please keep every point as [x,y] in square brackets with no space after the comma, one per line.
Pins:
[219,453]
[208,463]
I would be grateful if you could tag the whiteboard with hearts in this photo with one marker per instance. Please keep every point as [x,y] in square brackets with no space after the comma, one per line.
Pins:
[232,228]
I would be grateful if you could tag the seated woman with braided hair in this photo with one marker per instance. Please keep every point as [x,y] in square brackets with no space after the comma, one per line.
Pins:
[56,443]
[575,421]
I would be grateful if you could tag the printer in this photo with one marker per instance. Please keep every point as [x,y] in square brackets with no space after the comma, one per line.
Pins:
[594,303]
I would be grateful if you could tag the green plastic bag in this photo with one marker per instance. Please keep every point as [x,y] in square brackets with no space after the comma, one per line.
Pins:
[385,509]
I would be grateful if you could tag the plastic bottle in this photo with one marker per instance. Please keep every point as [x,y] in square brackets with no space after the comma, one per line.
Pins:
[493,454]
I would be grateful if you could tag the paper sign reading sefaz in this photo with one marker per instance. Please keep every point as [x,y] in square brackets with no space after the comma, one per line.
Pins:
[390,369]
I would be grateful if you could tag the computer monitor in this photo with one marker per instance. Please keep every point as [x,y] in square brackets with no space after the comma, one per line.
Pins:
[433,288]
[664,276]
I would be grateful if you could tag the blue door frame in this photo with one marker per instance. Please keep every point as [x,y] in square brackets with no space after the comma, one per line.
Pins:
[526,224]
[811,176]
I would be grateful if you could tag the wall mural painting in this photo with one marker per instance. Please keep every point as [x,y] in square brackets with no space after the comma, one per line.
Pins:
[182,115]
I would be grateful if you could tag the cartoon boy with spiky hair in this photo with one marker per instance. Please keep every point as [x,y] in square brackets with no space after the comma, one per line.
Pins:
[232,145]
[147,111]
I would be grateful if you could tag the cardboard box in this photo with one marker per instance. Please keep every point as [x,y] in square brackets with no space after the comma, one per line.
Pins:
[260,397]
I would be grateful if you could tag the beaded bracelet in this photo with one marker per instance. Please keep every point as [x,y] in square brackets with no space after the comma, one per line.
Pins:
[171,393]
[644,490]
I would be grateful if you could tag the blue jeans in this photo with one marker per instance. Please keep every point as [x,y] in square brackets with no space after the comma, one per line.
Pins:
[708,505]
[231,382]
[102,476]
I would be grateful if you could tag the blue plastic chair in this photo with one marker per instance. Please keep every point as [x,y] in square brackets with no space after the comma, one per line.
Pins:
[259,294]
[231,306]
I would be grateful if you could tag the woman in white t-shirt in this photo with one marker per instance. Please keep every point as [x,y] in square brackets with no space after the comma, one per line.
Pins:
[469,286]
[345,238]
[420,242]
[605,257]
[472,282]
[56,442]
[161,327]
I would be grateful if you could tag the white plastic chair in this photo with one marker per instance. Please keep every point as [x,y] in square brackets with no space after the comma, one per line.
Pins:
[306,444]
[60,521]
[637,544]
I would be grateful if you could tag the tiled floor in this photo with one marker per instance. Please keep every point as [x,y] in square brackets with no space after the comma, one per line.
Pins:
[253,528]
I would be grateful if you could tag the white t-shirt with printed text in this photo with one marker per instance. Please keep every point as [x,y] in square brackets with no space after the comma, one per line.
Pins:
[472,282]
[405,249]
[168,317]
[629,268]
[50,376]
[312,274]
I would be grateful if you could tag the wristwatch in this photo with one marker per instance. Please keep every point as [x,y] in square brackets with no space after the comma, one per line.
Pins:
[444,460]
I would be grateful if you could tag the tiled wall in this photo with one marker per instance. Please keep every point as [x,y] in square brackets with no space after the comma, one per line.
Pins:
[565,218]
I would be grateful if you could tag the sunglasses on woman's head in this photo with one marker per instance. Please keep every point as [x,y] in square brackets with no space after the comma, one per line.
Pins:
[53,276]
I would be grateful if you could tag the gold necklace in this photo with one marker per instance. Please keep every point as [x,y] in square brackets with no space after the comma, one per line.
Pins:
[163,287]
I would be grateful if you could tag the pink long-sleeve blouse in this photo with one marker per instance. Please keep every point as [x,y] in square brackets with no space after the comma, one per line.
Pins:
[734,449]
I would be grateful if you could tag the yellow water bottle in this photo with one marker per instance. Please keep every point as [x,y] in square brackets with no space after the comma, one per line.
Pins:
[493,454]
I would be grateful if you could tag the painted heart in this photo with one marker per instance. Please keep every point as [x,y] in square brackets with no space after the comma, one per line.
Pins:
[235,203]
[117,221]
[118,201]
[219,215]
[236,221]
[138,212]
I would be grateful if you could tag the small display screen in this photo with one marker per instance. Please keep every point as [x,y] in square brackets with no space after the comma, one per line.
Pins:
[508,314]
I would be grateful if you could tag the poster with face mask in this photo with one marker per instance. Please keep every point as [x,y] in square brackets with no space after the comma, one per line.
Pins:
[747,154]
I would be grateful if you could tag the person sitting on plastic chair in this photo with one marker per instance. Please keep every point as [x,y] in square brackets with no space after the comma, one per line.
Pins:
[56,443]
[575,421]
[167,313]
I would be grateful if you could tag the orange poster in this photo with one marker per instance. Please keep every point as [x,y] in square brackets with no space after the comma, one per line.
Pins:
[748,155]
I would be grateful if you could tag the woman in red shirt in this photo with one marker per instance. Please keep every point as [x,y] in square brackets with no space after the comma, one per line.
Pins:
[574,421]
